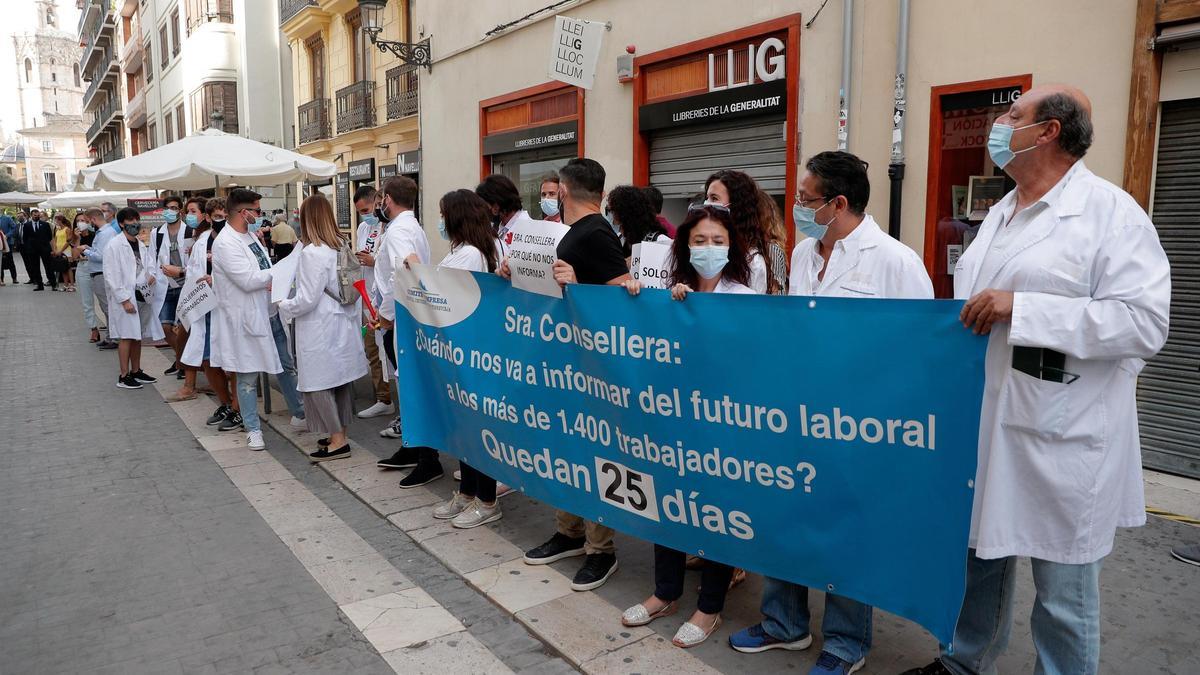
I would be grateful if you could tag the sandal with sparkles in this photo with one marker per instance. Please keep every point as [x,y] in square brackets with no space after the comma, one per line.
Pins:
[690,635]
[638,615]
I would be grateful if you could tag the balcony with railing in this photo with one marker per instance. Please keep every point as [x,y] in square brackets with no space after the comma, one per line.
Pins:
[290,8]
[102,27]
[356,106]
[115,153]
[105,67]
[106,115]
[402,93]
[314,121]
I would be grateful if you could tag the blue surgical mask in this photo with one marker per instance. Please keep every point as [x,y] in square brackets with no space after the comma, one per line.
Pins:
[132,229]
[191,220]
[549,206]
[370,220]
[806,221]
[256,224]
[1000,142]
[708,260]
[170,215]
[442,229]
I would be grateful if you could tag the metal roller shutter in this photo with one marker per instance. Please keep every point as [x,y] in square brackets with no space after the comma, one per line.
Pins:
[682,159]
[1169,387]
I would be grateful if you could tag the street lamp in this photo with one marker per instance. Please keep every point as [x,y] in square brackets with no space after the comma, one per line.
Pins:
[413,53]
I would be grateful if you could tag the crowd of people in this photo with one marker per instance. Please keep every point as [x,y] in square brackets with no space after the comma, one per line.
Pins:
[1059,466]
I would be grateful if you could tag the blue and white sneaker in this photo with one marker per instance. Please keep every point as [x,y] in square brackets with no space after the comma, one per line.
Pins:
[829,664]
[754,639]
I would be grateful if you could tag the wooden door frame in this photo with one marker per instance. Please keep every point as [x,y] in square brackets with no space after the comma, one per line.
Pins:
[936,122]
[485,161]
[790,24]
[1144,90]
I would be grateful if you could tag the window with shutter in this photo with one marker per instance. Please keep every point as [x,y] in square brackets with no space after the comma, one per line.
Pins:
[151,135]
[163,46]
[168,128]
[221,96]
[175,32]
[181,121]
[149,49]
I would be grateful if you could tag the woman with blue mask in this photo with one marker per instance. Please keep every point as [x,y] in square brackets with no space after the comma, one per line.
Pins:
[755,223]
[708,258]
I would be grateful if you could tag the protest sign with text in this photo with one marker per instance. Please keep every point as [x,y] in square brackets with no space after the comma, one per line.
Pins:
[196,299]
[651,264]
[657,418]
[532,250]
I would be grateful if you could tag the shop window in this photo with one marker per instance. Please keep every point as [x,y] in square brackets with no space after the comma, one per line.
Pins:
[963,181]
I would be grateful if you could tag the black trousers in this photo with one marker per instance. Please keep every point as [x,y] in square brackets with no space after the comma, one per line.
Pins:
[8,264]
[426,456]
[32,260]
[50,266]
[669,569]
[476,484]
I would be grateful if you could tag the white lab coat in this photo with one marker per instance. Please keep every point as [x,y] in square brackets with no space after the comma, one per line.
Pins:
[121,278]
[241,340]
[329,347]
[193,351]
[164,251]
[158,292]
[867,263]
[403,237]
[370,240]
[1060,464]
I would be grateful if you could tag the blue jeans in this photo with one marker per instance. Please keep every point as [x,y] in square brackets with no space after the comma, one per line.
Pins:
[83,281]
[247,383]
[167,313]
[847,625]
[1065,620]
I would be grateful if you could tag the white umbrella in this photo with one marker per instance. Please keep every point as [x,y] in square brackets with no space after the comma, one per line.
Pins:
[19,198]
[206,159]
[80,199]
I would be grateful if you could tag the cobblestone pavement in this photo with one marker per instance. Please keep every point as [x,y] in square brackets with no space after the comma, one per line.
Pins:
[142,548]
[126,549]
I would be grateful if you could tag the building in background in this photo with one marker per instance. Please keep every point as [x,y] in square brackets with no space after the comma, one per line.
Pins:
[761,90]
[357,106]
[103,102]
[12,161]
[47,100]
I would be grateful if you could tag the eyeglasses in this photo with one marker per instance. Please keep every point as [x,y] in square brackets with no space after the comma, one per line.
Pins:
[805,202]
[700,206]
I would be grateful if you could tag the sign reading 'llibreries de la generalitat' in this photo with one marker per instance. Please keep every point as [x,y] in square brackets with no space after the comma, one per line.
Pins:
[763,92]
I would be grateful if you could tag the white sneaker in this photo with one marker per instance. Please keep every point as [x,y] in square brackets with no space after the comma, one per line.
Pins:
[298,424]
[477,514]
[254,441]
[392,431]
[458,474]
[457,504]
[378,410]
[502,489]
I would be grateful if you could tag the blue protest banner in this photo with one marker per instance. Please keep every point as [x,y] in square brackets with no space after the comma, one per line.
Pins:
[828,442]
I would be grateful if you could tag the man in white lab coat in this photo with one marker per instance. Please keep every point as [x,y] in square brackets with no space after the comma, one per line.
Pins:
[1069,279]
[845,255]
[403,239]
[369,240]
[247,335]
[128,286]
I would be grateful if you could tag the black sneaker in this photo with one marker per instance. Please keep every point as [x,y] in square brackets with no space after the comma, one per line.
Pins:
[596,570]
[172,370]
[423,474]
[232,422]
[106,344]
[935,668]
[179,374]
[404,458]
[560,546]
[128,382]
[325,454]
[219,416]
[141,376]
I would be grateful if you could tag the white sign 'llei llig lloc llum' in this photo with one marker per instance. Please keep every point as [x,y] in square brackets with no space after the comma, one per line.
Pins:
[575,50]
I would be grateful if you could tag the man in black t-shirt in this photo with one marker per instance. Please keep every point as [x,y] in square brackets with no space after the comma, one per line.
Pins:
[590,253]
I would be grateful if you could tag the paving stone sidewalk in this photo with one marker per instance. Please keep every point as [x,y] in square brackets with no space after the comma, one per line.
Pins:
[126,549]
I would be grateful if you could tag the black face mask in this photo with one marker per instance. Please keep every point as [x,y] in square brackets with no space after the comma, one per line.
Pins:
[497,221]
[381,215]
[217,225]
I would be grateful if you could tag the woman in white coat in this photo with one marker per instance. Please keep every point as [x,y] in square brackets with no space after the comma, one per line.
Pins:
[329,348]
[129,320]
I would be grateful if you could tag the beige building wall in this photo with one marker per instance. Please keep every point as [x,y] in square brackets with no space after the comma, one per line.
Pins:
[950,41]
